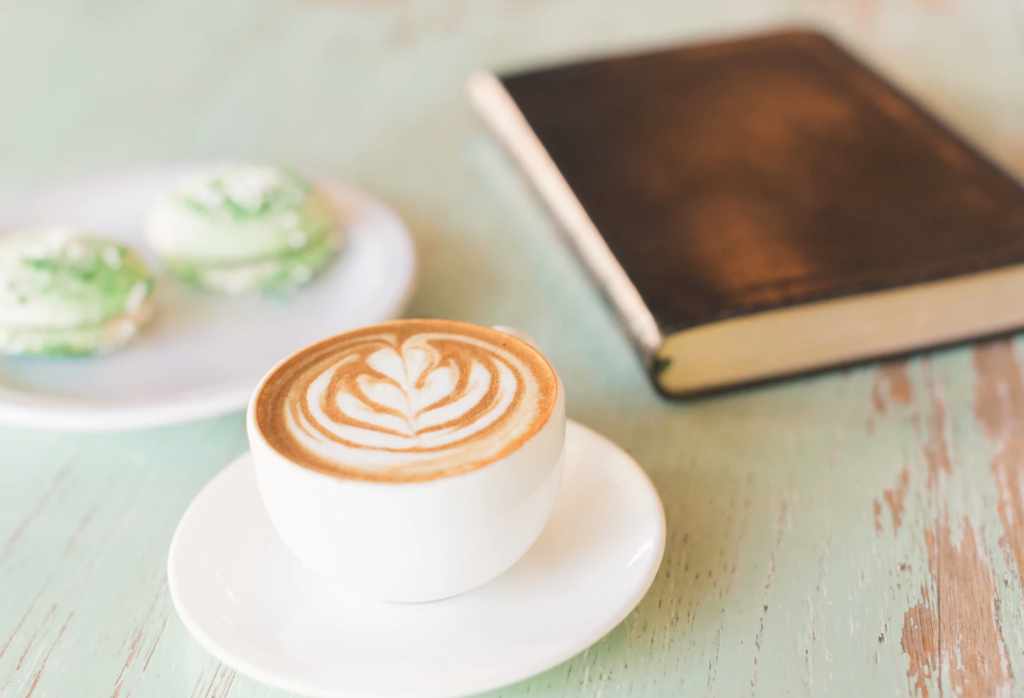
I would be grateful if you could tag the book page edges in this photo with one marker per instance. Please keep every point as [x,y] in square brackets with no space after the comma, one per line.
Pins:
[499,111]
[818,335]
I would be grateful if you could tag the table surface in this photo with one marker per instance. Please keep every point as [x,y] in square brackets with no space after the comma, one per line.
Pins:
[860,532]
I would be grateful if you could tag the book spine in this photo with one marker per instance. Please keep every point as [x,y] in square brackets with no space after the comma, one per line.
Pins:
[499,112]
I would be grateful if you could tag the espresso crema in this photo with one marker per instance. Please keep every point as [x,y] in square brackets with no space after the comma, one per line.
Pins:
[406,401]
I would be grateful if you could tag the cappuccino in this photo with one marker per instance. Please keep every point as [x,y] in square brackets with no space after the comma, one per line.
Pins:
[407,401]
[356,439]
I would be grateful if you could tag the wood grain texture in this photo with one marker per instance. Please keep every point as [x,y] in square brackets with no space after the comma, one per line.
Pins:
[855,533]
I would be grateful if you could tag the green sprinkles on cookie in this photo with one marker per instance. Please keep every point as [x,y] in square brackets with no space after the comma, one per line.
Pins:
[65,293]
[245,228]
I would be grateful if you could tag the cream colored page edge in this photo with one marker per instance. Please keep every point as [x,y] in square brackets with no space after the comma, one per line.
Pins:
[818,335]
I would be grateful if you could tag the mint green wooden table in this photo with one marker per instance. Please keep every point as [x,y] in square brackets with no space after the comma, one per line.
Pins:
[856,533]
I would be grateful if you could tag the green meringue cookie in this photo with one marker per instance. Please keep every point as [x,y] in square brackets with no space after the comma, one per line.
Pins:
[272,276]
[64,293]
[245,228]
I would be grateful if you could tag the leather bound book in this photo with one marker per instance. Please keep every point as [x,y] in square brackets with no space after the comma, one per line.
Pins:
[765,206]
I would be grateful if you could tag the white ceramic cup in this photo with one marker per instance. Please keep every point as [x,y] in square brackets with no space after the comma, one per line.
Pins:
[413,541]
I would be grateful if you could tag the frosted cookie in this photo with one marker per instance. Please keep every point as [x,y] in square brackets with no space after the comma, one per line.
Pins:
[245,228]
[63,293]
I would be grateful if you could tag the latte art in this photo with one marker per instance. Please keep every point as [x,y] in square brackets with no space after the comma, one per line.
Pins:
[407,401]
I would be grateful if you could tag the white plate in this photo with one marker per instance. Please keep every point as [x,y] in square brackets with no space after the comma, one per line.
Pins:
[248,601]
[203,354]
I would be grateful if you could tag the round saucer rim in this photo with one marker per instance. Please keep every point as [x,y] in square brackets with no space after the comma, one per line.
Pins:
[24,409]
[552,659]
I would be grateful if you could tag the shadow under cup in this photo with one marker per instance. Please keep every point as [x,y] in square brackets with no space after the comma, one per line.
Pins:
[413,541]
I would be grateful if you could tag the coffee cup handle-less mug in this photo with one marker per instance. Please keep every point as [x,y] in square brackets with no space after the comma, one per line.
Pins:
[414,541]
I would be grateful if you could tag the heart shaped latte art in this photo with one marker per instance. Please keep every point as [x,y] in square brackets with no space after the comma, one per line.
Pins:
[407,403]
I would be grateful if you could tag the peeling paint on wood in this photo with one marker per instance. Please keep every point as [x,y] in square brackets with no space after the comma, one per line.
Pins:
[920,642]
[892,386]
[1000,410]
[959,634]
[953,633]
[894,498]
[936,449]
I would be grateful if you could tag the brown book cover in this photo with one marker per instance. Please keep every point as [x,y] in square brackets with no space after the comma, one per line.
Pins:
[765,206]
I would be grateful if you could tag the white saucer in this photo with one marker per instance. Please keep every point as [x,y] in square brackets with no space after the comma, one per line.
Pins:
[248,601]
[204,354]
